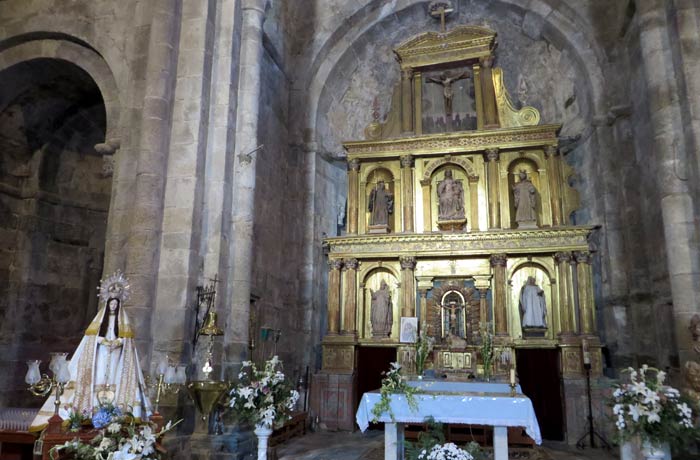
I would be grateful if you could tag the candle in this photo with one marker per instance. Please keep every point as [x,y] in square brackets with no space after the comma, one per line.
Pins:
[512,376]
[586,353]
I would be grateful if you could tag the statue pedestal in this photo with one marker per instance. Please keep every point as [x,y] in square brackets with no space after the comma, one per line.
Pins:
[534,332]
[527,224]
[454,225]
[378,229]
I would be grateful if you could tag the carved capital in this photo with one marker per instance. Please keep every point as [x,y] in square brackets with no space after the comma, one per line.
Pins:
[350,264]
[562,257]
[354,164]
[551,150]
[498,260]
[407,74]
[335,264]
[486,62]
[406,161]
[425,182]
[407,262]
[491,154]
[483,292]
[583,257]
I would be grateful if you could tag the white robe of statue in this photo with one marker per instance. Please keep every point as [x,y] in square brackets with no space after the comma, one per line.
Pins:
[105,355]
[533,305]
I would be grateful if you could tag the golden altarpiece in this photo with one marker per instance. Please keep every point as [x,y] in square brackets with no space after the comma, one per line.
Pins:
[459,266]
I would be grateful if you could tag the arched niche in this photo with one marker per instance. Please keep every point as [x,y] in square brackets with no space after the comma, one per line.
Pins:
[372,282]
[545,281]
[370,181]
[530,166]
[463,171]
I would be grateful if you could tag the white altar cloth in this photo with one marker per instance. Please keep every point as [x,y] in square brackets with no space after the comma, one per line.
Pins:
[455,402]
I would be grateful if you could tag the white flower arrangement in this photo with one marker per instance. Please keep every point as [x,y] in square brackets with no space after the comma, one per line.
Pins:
[263,397]
[447,451]
[647,408]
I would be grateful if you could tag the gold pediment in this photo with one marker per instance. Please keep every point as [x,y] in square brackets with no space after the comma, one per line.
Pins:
[459,44]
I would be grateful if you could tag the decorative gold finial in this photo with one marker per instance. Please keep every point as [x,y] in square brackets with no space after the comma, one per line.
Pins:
[440,9]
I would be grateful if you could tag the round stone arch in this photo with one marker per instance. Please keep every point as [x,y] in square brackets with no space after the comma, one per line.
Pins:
[17,49]
[552,22]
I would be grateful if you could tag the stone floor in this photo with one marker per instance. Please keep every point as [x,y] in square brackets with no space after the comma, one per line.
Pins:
[370,446]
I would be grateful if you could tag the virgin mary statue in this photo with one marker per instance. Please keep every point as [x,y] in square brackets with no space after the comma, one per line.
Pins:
[105,367]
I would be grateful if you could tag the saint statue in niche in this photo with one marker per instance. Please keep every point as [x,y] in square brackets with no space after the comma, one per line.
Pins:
[382,316]
[450,198]
[105,367]
[525,200]
[446,79]
[533,305]
[381,204]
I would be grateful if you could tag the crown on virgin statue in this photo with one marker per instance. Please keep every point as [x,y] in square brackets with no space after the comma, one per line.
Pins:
[115,286]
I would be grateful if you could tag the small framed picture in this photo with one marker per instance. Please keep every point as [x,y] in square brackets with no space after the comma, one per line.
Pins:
[409,329]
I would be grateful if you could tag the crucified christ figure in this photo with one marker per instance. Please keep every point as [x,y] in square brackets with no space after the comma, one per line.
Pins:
[446,79]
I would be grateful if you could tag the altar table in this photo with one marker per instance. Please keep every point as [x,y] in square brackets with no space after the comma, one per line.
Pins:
[454,402]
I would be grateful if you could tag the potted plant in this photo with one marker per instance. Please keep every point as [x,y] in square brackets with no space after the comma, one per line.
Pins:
[655,413]
[263,397]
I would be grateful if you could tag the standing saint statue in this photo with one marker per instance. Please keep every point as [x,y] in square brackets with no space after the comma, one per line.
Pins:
[105,367]
[382,315]
[533,305]
[381,204]
[525,200]
[446,79]
[450,198]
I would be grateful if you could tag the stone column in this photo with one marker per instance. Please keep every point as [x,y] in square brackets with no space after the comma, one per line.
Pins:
[406,100]
[350,287]
[584,275]
[489,94]
[407,195]
[144,234]
[308,270]
[353,194]
[500,313]
[334,296]
[408,285]
[552,154]
[680,231]
[566,294]
[241,259]
[492,158]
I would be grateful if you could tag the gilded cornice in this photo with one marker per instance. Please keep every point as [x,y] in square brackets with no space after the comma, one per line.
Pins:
[459,44]
[545,240]
[463,141]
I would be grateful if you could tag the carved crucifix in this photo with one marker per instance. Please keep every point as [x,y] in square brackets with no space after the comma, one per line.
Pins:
[446,79]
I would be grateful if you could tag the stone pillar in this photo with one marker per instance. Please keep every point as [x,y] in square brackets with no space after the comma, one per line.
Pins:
[489,94]
[407,195]
[408,285]
[334,296]
[500,313]
[241,259]
[308,270]
[566,292]
[353,194]
[552,154]
[483,306]
[427,211]
[492,158]
[350,287]
[406,100]
[680,231]
[584,276]
[144,234]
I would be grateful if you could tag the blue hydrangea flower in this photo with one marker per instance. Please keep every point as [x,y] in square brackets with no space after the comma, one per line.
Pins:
[101,419]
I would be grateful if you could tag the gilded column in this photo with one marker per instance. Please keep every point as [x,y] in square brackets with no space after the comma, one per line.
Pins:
[565,284]
[406,100]
[334,295]
[483,306]
[474,202]
[353,194]
[489,94]
[408,285]
[499,262]
[427,218]
[350,295]
[553,158]
[492,158]
[423,307]
[586,301]
[407,186]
